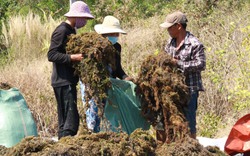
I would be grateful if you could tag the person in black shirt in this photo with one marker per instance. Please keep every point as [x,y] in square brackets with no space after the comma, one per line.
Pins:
[63,79]
[111,29]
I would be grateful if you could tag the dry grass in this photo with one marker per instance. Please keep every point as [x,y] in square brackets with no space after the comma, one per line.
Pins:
[28,39]
[144,39]
[33,80]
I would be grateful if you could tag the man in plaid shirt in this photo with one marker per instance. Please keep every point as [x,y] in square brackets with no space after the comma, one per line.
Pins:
[188,53]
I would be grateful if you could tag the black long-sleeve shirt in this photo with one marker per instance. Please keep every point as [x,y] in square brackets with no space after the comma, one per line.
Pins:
[63,72]
[119,72]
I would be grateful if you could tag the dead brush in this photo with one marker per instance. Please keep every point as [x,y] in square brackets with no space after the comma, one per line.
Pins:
[163,95]
[98,55]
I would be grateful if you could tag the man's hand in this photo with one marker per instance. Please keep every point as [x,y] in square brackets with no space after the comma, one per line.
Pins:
[76,57]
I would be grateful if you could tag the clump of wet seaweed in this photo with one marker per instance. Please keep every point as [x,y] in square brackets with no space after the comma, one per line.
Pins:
[30,145]
[138,143]
[188,146]
[105,143]
[4,86]
[163,94]
[98,56]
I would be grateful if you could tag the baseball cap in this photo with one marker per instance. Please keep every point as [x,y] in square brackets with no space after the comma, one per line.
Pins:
[175,17]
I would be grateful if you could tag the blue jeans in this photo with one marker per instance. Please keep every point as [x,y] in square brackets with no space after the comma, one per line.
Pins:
[190,111]
[92,118]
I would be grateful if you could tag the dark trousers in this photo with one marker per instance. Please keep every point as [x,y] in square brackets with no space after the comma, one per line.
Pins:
[190,111]
[68,117]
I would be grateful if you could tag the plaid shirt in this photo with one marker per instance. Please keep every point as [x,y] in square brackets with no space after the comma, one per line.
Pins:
[191,59]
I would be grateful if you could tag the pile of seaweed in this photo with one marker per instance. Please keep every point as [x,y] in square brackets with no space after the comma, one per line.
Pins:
[108,143]
[163,93]
[93,70]
[188,146]
[139,143]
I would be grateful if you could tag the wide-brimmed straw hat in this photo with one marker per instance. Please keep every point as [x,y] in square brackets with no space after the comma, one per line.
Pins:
[79,9]
[110,24]
[173,18]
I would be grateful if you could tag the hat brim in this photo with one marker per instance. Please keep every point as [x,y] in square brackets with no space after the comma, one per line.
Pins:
[86,15]
[100,29]
[166,25]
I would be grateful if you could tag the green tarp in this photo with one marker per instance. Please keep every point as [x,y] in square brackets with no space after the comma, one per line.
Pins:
[16,120]
[123,108]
